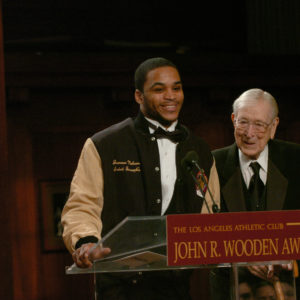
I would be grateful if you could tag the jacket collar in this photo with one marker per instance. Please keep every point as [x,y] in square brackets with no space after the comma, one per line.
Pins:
[232,190]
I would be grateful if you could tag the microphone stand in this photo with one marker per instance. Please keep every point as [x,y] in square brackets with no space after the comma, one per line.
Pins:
[215,207]
[201,190]
[190,161]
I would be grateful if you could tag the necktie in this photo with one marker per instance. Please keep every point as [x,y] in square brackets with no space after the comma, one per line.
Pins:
[256,188]
[174,136]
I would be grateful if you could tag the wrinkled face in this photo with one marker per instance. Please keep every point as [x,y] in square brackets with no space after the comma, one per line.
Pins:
[254,127]
[162,97]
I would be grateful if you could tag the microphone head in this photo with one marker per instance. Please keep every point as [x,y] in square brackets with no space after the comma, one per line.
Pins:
[189,160]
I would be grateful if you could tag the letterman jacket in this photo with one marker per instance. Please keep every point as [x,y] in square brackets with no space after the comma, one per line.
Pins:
[118,175]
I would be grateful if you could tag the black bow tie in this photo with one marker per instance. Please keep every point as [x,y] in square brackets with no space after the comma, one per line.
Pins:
[174,136]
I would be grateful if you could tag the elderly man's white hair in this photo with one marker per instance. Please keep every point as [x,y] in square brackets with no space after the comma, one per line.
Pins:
[251,97]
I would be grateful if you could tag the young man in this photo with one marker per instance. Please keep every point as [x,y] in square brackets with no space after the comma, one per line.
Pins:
[257,172]
[132,169]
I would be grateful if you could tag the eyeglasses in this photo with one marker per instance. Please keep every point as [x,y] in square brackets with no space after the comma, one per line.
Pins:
[258,126]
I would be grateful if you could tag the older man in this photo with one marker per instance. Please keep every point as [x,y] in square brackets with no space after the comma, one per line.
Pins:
[257,172]
[255,119]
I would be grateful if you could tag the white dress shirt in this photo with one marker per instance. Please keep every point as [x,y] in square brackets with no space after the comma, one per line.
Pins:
[167,157]
[247,171]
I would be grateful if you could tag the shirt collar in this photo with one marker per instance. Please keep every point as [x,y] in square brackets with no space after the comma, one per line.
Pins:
[157,124]
[262,159]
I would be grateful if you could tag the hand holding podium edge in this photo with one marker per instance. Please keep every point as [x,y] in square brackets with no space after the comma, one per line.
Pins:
[87,253]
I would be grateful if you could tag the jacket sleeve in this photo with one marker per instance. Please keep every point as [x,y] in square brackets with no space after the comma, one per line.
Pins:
[82,211]
[214,188]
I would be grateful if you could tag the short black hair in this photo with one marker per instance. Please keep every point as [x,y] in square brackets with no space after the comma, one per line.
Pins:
[148,65]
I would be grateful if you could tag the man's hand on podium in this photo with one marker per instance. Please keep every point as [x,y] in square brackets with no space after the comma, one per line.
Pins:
[268,272]
[87,253]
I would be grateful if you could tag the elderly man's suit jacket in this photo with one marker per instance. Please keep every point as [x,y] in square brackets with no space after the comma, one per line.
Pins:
[283,191]
[283,177]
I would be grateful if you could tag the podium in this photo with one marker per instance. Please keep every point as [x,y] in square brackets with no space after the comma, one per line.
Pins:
[141,244]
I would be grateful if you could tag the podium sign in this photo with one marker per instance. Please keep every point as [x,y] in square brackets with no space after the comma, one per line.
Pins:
[197,239]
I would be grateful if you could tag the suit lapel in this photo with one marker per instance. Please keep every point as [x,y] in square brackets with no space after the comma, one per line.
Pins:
[276,188]
[232,190]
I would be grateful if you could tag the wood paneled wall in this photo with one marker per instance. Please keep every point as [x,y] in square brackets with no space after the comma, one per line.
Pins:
[55,101]
[6,276]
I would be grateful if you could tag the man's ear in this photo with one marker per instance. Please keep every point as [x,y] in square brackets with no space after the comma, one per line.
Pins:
[274,127]
[139,97]
[232,118]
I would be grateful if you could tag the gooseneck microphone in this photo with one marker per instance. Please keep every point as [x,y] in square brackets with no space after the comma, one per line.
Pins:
[189,162]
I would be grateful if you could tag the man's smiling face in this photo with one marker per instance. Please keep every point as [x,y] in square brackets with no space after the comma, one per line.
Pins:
[249,140]
[163,96]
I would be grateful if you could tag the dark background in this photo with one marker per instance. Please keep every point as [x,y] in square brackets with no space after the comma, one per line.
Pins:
[67,71]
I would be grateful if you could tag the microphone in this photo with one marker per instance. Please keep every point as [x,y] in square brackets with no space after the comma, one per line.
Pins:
[189,162]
